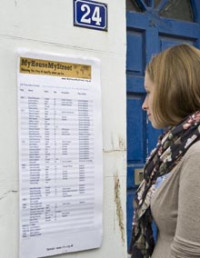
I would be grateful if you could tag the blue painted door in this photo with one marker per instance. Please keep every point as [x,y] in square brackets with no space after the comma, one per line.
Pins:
[148,33]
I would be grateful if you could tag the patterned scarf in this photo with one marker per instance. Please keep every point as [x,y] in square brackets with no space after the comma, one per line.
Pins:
[170,148]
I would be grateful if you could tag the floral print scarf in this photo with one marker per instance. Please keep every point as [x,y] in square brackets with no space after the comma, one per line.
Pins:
[170,148]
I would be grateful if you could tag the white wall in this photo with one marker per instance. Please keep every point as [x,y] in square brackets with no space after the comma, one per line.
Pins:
[48,25]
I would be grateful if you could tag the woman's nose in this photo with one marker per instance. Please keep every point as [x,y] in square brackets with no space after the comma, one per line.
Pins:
[145,104]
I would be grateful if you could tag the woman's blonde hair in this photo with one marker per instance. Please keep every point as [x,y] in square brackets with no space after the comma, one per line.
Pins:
[176,75]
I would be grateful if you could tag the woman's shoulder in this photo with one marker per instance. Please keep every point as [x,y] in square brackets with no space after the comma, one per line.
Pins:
[194,149]
[190,165]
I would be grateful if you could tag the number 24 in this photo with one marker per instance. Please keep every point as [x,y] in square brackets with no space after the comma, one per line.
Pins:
[95,16]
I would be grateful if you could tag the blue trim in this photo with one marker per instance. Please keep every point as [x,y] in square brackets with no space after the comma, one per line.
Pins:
[165,25]
[196,10]
[138,20]
[161,5]
[179,28]
[152,43]
[151,3]
[142,4]
[150,7]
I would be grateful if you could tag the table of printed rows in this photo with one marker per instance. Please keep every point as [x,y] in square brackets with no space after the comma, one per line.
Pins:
[57,162]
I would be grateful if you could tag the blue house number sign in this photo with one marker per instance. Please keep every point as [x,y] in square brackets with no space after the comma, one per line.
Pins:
[90,14]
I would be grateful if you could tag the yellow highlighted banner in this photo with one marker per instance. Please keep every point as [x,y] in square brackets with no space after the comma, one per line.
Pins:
[54,68]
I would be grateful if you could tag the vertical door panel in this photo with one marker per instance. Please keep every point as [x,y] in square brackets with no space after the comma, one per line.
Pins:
[135,129]
[135,57]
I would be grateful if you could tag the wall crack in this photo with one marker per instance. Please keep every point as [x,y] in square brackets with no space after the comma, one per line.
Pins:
[119,209]
[7,193]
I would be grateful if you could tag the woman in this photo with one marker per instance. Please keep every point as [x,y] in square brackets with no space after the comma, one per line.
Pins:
[169,195]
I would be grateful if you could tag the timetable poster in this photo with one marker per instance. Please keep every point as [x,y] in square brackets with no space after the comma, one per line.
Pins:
[60,154]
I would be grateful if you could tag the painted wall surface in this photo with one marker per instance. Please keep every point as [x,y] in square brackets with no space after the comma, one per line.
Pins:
[47,25]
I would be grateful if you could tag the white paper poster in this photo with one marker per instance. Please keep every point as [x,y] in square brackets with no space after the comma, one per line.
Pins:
[60,154]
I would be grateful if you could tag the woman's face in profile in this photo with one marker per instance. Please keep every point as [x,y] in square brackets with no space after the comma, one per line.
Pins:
[147,104]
